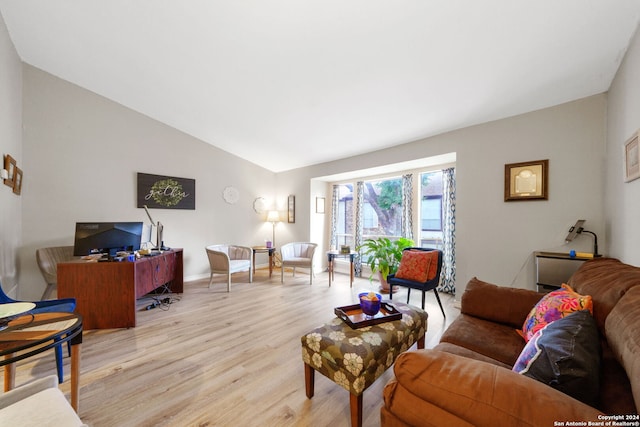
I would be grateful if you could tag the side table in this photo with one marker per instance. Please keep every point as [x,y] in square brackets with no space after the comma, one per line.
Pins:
[263,249]
[331,255]
[33,334]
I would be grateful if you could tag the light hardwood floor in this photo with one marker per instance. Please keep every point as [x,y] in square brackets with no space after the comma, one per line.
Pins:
[223,359]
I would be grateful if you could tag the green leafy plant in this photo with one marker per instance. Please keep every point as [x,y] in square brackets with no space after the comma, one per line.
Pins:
[384,254]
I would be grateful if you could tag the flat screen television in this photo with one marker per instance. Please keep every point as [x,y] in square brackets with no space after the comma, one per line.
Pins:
[106,237]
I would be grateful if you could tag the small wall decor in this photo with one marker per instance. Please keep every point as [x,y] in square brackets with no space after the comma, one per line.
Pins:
[159,191]
[291,209]
[10,166]
[17,181]
[631,158]
[320,205]
[526,181]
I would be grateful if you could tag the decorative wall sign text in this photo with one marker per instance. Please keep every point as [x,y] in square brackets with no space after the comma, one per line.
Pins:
[166,192]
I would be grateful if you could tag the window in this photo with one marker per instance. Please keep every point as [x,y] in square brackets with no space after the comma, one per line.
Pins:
[345,222]
[431,209]
[382,210]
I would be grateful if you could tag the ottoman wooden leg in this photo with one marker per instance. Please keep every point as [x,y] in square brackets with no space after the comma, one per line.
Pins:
[356,410]
[421,342]
[309,378]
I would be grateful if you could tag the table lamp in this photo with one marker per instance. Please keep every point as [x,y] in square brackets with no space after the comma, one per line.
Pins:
[273,217]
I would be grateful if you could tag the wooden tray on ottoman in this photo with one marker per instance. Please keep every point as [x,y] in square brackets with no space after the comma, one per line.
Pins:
[353,316]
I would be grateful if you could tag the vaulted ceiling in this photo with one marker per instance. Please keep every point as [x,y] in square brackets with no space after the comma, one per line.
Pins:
[291,83]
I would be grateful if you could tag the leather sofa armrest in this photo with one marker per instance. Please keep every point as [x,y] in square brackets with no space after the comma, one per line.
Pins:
[475,393]
[498,303]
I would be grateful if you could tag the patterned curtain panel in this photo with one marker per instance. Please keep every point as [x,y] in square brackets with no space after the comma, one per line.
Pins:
[407,206]
[334,217]
[359,231]
[448,273]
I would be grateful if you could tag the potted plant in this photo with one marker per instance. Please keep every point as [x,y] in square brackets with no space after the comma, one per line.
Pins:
[384,256]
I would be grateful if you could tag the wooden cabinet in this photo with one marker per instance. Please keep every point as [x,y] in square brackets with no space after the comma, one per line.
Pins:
[106,292]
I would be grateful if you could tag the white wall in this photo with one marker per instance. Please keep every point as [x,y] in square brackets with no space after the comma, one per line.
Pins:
[82,153]
[496,240]
[622,200]
[10,143]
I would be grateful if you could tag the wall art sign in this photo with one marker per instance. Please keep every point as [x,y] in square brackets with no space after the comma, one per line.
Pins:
[526,181]
[166,192]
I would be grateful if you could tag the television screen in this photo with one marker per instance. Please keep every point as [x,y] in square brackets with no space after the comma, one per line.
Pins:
[106,237]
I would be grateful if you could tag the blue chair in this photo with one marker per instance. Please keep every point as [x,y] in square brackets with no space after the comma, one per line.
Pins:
[66,305]
[421,286]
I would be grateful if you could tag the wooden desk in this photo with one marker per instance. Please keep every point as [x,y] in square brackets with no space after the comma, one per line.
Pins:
[263,249]
[106,292]
[29,335]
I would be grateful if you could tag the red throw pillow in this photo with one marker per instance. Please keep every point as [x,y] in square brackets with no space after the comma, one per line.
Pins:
[418,266]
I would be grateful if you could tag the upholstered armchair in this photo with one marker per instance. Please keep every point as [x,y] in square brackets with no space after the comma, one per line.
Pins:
[419,269]
[229,259]
[48,259]
[297,254]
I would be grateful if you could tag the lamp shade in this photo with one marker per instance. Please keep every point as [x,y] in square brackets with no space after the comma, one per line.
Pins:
[273,216]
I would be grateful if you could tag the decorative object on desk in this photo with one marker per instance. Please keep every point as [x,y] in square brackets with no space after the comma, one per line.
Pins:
[320,205]
[273,217]
[370,303]
[291,209]
[259,205]
[345,249]
[631,158]
[10,167]
[166,192]
[526,181]
[384,257]
[17,181]
[578,229]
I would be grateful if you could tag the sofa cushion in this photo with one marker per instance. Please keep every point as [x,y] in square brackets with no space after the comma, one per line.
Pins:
[418,266]
[623,334]
[509,306]
[447,347]
[606,280]
[441,389]
[565,354]
[489,339]
[553,306]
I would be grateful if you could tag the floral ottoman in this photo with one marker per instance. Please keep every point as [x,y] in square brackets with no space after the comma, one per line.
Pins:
[355,358]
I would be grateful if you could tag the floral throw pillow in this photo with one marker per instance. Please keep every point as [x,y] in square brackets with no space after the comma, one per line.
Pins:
[418,266]
[553,306]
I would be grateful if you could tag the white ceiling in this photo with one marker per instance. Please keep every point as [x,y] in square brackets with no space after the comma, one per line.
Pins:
[291,83]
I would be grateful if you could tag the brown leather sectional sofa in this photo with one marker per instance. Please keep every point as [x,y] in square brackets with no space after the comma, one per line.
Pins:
[466,380]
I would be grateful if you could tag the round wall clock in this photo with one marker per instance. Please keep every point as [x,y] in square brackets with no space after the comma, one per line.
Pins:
[230,195]
[260,205]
